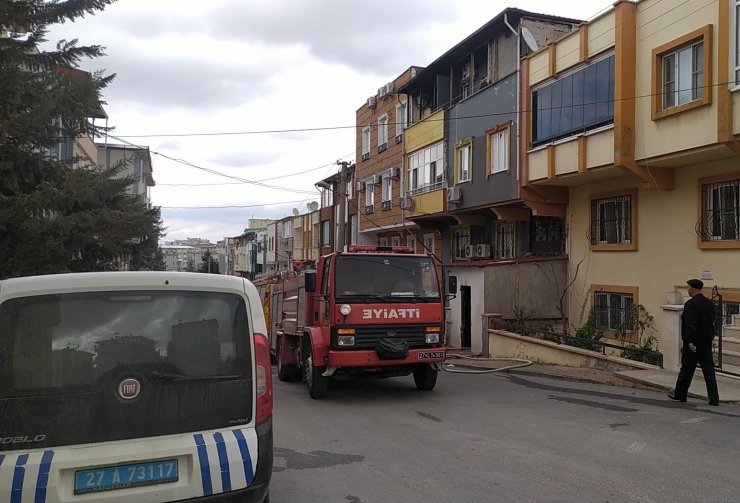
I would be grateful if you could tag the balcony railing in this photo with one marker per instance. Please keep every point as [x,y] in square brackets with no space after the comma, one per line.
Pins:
[427,188]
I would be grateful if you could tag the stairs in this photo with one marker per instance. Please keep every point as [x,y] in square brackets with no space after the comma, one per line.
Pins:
[731,346]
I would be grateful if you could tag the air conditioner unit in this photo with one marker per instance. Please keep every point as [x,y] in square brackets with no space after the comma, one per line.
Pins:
[360,186]
[389,88]
[466,72]
[376,180]
[470,251]
[483,251]
[454,195]
[371,102]
[406,203]
[366,156]
[395,173]
[385,205]
[381,92]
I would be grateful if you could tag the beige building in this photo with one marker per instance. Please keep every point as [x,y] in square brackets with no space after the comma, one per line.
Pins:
[635,120]
[139,166]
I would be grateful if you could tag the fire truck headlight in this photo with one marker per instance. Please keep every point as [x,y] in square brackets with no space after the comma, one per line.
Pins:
[346,340]
[345,310]
[432,337]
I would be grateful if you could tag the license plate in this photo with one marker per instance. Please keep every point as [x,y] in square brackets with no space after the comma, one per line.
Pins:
[111,478]
[431,355]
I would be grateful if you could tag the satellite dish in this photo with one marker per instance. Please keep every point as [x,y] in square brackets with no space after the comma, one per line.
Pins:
[296,212]
[529,39]
[313,206]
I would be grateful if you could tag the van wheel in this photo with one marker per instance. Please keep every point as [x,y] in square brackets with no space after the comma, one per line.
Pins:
[318,385]
[425,378]
[287,372]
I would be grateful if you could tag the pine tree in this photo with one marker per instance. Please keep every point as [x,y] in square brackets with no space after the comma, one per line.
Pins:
[58,213]
[209,264]
[190,265]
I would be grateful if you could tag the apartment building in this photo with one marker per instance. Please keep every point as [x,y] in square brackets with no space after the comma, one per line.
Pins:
[460,171]
[635,119]
[329,212]
[138,166]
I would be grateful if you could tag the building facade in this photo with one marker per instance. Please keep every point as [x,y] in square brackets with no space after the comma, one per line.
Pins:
[634,117]
[329,212]
[138,166]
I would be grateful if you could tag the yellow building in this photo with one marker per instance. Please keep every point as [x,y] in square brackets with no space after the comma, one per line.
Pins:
[637,117]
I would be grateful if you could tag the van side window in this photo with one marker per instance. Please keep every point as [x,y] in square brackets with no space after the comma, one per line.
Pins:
[325,278]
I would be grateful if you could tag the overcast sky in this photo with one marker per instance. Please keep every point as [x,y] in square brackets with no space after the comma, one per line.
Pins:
[189,66]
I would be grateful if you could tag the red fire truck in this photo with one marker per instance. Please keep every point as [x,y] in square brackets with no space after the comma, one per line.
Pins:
[371,312]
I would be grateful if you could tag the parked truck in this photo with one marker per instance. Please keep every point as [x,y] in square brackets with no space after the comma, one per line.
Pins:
[370,312]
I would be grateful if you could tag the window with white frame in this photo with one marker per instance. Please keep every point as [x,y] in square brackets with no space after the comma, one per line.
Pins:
[411,242]
[327,198]
[428,243]
[614,311]
[395,241]
[505,240]
[366,141]
[426,169]
[683,75]
[383,131]
[463,162]
[401,118]
[460,241]
[387,188]
[499,151]
[353,229]
[383,242]
[369,194]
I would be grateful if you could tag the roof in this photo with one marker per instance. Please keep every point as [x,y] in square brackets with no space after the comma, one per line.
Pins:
[326,182]
[472,41]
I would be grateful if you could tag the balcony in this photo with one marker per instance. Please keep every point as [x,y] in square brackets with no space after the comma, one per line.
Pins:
[428,200]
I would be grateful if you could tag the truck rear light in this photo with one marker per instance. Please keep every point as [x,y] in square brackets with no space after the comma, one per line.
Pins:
[264,378]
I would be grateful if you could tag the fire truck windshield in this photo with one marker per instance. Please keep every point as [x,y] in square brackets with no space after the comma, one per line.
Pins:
[388,277]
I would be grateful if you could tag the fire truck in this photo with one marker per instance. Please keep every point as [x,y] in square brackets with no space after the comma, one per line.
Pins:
[369,312]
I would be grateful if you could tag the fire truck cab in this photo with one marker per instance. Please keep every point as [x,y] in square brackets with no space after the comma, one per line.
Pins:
[370,312]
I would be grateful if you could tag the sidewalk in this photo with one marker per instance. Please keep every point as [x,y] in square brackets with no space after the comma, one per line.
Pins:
[729,388]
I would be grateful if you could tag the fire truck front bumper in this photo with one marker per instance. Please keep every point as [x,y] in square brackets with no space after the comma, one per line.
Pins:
[369,358]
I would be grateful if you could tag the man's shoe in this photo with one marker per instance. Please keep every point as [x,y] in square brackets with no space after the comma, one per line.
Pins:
[672,396]
[714,404]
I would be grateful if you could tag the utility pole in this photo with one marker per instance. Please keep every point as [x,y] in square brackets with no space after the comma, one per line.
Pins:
[342,217]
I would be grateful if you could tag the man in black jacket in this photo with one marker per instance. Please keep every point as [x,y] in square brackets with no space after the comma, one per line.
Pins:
[697,332]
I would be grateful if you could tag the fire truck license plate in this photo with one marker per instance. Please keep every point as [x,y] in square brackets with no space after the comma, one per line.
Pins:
[429,355]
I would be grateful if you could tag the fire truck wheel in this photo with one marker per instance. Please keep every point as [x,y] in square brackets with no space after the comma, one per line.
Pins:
[318,384]
[425,378]
[287,372]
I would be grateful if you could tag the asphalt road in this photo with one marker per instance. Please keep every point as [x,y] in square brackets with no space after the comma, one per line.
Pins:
[500,438]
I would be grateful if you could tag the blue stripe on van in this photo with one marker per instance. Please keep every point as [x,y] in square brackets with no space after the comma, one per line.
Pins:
[43,479]
[223,459]
[205,470]
[16,491]
[2,458]
[246,458]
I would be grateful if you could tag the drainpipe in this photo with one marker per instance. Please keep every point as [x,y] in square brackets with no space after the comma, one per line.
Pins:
[518,87]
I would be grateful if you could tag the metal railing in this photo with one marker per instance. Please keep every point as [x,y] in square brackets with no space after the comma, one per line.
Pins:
[630,353]
[427,188]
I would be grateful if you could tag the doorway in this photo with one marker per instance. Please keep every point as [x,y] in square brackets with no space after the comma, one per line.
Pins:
[465,316]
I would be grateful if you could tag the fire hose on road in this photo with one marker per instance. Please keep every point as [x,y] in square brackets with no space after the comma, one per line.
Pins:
[518,364]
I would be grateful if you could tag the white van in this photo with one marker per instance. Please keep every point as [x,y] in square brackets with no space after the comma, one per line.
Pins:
[143,387]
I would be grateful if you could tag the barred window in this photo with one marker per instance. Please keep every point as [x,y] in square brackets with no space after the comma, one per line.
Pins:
[614,311]
[728,310]
[505,240]
[721,211]
[461,239]
[611,221]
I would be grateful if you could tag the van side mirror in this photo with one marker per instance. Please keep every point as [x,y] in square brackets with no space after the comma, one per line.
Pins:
[310,279]
[452,285]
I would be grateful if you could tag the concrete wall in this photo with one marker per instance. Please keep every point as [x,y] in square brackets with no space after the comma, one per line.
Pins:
[497,104]
[535,286]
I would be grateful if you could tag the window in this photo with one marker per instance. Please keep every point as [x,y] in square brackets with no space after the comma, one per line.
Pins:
[614,311]
[382,132]
[353,229]
[575,103]
[729,308]
[682,76]
[401,118]
[505,240]
[387,188]
[612,217]
[288,229]
[411,242]
[325,277]
[720,209]
[428,243]
[683,79]
[426,169]
[327,198]
[369,194]
[460,241]
[325,232]
[546,235]
[499,148]
[383,242]
[366,142]
[395,241]
[736,43]
[463,161]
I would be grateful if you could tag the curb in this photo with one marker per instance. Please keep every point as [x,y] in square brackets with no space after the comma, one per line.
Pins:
[545,375]
[664,388]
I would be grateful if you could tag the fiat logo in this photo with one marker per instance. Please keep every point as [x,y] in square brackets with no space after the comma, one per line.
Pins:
[129,389]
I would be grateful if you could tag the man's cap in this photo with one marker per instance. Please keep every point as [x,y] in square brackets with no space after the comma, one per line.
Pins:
[695,283]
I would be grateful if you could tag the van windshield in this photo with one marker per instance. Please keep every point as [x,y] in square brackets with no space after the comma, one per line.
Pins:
[389,277]
[53,343]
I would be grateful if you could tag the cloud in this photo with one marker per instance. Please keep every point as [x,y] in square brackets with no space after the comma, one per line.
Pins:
[169,145]
[215,223]
[292,136]
[244,159]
